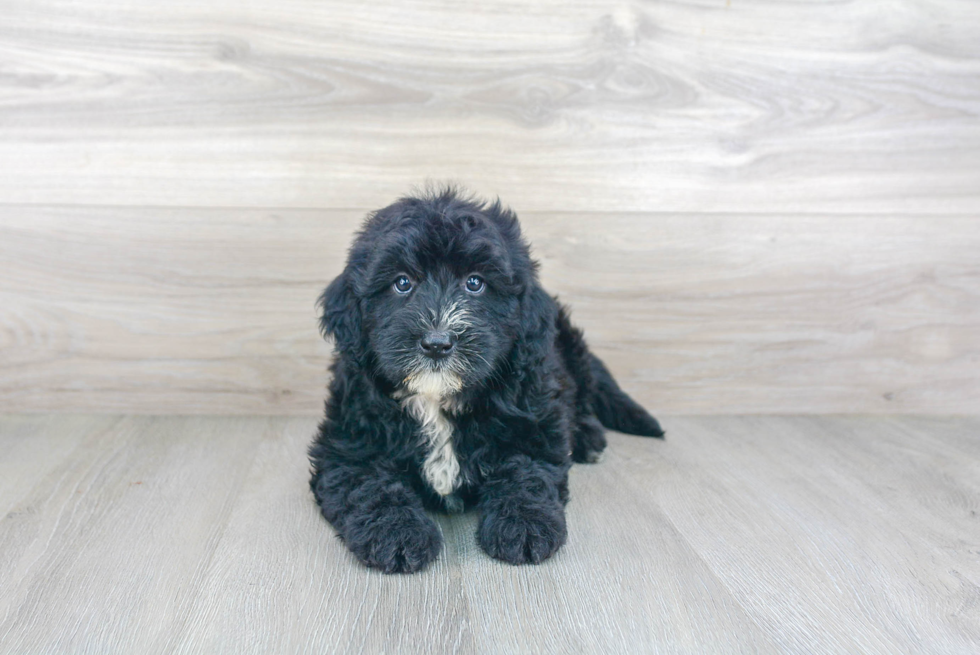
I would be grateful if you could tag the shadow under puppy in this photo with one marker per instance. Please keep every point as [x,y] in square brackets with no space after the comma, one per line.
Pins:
[457,382]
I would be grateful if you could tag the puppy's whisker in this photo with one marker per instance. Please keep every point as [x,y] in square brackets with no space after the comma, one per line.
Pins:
[467,353]
[484,360]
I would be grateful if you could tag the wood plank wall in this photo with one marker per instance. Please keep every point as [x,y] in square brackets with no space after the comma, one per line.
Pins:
[752,206]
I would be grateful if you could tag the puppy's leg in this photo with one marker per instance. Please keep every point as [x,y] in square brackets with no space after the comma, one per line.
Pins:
[588,435]
[588,439]
[523,513]
[379,516]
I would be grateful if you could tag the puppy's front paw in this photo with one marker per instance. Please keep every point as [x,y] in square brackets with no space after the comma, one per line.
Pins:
[523,535]
[395,540]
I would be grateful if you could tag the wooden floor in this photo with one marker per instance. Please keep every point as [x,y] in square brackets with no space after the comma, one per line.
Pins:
[737,534]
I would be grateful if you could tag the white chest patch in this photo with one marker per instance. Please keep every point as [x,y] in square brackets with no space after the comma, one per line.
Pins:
[441,468]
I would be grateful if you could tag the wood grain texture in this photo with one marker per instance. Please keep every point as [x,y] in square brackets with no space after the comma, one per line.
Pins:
[212,311]
[737,534]
[703,105]
[166,311]
[106,540]
[839,514]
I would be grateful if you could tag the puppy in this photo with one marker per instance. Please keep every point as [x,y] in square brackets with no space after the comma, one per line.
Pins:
[457,383]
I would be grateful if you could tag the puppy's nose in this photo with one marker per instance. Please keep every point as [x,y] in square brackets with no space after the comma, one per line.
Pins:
[438,344]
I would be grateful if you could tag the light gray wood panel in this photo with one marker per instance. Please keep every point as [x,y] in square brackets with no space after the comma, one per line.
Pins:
[99,556]
[750,105]
[737,534]
[856,521]
[775,314]
[212,311]
[627,581]
[39,472]
[167,311]
[290,586]
[27,462]
[281,582]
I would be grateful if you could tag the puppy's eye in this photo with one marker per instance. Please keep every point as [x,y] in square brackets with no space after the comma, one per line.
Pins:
[402,284]
[475,284]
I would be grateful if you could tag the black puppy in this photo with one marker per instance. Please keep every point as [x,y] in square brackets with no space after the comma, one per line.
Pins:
[457,382]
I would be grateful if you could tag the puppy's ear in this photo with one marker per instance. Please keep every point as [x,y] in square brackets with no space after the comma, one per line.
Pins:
[341,314]
[539,313]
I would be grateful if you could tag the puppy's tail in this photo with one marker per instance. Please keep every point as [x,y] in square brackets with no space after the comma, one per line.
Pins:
[615,409]
[596,389]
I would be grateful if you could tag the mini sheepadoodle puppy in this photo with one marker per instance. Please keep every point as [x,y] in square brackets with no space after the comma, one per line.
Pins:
[458,382]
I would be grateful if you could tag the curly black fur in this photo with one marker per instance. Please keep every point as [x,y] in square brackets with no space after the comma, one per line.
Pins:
[494,424]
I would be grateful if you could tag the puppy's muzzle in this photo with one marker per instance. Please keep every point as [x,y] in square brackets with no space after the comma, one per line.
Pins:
[438,344]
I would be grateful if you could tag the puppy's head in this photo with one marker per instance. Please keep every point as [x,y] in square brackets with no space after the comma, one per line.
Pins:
[434,295]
